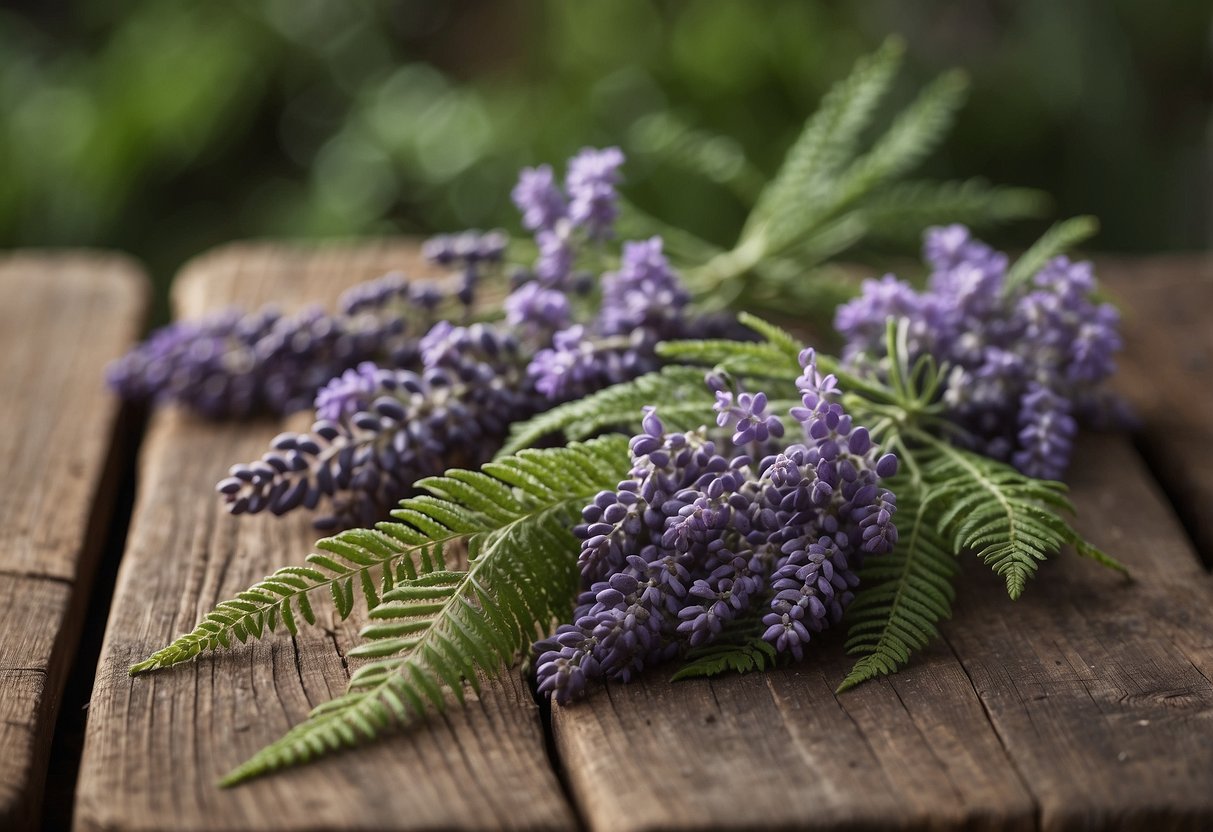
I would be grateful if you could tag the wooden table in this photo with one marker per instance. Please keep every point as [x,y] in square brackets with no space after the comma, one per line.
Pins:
[1086,704]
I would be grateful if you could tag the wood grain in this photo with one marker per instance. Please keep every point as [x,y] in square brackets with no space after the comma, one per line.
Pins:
[63,317]
[157,743]
[1167,374]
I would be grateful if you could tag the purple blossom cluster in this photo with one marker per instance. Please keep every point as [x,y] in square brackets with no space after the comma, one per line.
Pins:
[1025,361]
[696,538]
[641,302]
[231,364]
[448,397]
[378,430]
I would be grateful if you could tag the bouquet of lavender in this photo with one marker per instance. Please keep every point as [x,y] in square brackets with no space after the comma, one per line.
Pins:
[769,492]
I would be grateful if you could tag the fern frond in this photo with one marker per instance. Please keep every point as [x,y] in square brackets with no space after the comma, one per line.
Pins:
[828,139]
[740,648]
[915,133]
[901,211]
[1089,550]
[434,632]
[1061,237]
[678,390]
[775,336]
[370,562]
[754,360]
[703,153]
[1011,521]
[359,561]
[902,594]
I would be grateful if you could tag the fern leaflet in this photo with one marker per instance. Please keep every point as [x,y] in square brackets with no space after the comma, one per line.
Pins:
[900,211]
[678,390]
[434,631]
[370,562]
[902,595]
[913,135]
[827,140]
[1011,521]
[1062,236]
[740,648]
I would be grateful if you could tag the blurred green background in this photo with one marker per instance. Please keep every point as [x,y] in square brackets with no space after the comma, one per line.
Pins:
[163,128]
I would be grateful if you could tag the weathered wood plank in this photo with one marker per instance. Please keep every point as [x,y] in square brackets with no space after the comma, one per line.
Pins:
[156,744]
[1100,689]
[1168,375]
[63,316]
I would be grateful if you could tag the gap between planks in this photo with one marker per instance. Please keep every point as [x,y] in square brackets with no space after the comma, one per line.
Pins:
[65,314]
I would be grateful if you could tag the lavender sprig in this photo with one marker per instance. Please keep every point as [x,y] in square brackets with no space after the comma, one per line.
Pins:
[696,538]
[1026,358]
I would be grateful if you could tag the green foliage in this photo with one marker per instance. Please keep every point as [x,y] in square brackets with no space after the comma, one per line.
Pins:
[437,629]
[903,594]
[740,648]
[828,197]
[1061,237]
[1009,520]
[434,627]
[684,399]
[827,141]
[900,211]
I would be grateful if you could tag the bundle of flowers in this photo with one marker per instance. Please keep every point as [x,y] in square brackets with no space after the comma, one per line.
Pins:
[495,508]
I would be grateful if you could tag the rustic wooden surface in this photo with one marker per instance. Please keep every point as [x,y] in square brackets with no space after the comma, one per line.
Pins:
[1086,704]
[1167,304]
[63,316]
[157,743]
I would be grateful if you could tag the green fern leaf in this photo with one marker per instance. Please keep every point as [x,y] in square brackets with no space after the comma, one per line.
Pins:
[915,133]
[679,391]
[1092,552]
[1011,521]
[706,155]
[827,141]
[1058,239]
[900,211]
[435,630]
[752,360]
[740,648]
[902,594]
[369,562]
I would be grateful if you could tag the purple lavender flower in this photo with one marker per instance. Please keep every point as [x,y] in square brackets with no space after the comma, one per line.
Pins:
[1023,362]
[579,362]
[348,393]
[231,365]
[539,199]
[590,182]
[554,268]
[644,293]
[695,539]
[538,309]
[1046,434]
[391,428]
